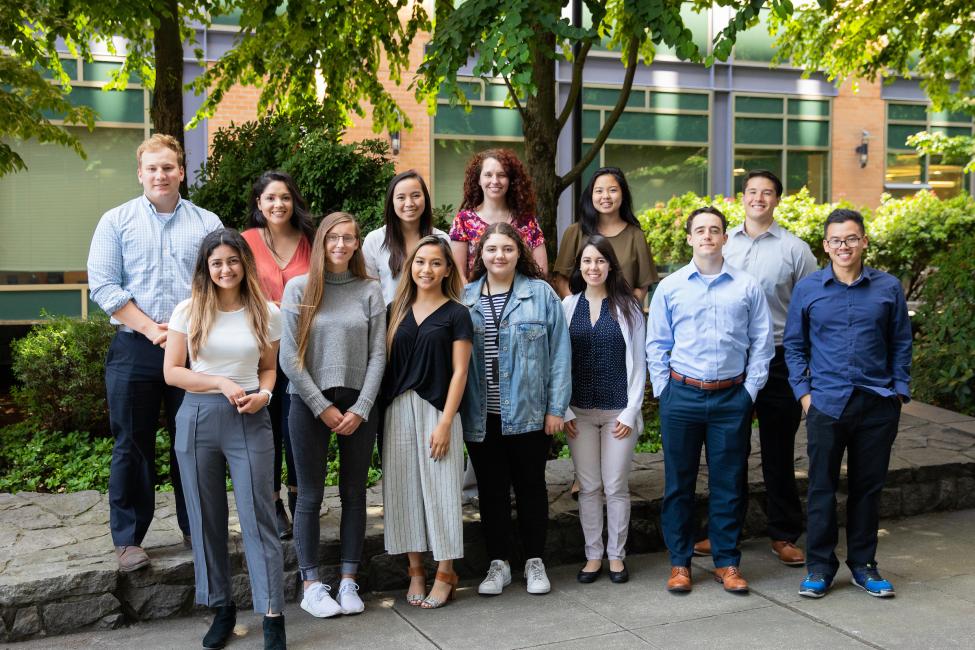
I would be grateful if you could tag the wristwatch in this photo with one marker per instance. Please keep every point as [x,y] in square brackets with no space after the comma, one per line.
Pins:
[269,396]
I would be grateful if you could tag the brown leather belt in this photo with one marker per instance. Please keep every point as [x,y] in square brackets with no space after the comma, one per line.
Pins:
[719,384]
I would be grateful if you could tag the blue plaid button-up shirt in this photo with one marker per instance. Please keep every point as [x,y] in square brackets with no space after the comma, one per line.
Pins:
[136,254]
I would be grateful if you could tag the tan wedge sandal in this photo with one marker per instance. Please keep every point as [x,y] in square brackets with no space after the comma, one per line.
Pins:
[417,572]
[451,579]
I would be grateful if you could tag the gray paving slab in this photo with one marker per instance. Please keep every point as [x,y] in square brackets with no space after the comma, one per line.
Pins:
[614,641]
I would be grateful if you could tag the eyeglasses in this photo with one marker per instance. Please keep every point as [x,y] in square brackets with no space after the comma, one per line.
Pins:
[345,239]
[852,242]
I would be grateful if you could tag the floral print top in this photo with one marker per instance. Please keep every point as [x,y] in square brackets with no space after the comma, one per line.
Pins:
[468,227]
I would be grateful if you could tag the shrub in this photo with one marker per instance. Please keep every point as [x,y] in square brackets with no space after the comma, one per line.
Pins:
[59,367]
[46,461]
[944,349]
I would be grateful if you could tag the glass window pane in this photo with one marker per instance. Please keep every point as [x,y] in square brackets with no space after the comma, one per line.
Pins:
[808,134]
[497,93]
[945,180]
[903,168]
[110,105]
[748,159]
[897,135]
[450,158]
[809,107]
[472,89]
[917,112]
[482,120]
[669,128]
[755,43]
[48,214]
[809,169]
[657,173]
[684,101]
[70,68]
[952,131]
[949,116]
[609,97]
[772,105]
[750,130]
[590,124]
[103,71]
[697,23]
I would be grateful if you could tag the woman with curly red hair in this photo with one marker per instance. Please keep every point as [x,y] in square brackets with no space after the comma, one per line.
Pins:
[497,189]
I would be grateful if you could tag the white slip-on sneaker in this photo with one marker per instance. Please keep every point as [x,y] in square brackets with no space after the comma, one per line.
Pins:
[498,577]
[318,602]
[349,597]
[536,577]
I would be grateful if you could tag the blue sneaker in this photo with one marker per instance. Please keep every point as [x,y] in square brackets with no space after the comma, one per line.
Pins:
[869,579]
[815,585]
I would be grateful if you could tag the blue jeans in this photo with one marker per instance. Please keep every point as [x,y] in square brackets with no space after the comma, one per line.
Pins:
[720,420]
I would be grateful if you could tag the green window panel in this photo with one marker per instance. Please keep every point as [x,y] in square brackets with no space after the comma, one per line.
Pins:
[472,90]
[904,168]
[497,93]
[748,159]
[231,18]
[47,215]
[809,107]
[679,101]
[952,131]
[697,23]
[590,124]
[70,68]
[897,134]
[656,173]
[27,305]
[804,133]
[755,44]
[124,106]
[751,130]
[103,71]
[809,169]
[608,97]
[768,105]
[949,116]
[916,112]
[450,158]
[482,120]
[655,127]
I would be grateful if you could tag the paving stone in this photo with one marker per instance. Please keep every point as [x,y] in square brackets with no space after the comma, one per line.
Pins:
[933,413]
[156,600]
[967,427]
[71,616]
[931,464]
[70,504]
[27,622]
[56,587]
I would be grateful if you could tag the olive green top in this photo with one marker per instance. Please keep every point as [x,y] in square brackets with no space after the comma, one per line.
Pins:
[631,248]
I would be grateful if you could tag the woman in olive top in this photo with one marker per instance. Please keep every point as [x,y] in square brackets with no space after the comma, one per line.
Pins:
[606,208]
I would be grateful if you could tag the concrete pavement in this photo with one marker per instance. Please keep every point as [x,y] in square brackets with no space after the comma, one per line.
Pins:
[929,558]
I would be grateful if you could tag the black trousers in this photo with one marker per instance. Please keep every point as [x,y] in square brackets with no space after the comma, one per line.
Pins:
[778,420]
[135,390]
[502,462]
[279,410]
[865,430]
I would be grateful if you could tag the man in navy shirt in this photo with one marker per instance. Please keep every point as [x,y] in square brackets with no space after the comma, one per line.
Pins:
[848,348]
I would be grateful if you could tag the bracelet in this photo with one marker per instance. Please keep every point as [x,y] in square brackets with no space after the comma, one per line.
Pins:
[269,396]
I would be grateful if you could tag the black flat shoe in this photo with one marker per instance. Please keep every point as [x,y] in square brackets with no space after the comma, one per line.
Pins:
[619,577]
[588,577]
[224,620]
[274,636]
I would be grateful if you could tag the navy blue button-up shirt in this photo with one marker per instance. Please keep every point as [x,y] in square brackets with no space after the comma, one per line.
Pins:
[840,337]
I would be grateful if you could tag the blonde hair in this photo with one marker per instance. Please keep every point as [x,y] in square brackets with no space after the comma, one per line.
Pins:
[451,286]
[203,296]
[158,141]
[315,289]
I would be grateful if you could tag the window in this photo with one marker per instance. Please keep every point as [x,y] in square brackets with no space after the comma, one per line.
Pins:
[786,135]
[908,171]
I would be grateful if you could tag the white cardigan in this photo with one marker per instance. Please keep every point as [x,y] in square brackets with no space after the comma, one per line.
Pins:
[636,366]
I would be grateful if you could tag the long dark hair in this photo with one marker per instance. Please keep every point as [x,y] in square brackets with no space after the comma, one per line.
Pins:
[526,263]
[589,217]
[394,241]
[618,290]
[300,217]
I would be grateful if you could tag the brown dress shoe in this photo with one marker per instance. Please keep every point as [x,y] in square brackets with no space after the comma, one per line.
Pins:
[731,578]
[680,579]
[788,553]
[703,548]
[131,558]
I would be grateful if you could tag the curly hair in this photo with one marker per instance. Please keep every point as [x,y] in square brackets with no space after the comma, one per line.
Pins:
[520,197]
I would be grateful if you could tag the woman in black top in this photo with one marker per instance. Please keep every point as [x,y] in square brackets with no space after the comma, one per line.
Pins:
[429,348]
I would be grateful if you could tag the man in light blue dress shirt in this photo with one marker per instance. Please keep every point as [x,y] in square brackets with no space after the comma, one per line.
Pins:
[709,343]
[140,267]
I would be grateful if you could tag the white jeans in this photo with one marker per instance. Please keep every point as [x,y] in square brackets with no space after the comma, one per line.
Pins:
[602,465]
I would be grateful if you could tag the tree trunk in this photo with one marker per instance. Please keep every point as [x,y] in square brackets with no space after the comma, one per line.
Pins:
[541,138]
[166,110]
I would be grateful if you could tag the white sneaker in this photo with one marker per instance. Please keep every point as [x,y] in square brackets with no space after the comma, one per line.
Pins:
[317,601]
[535,576]
[498,577]
[349,597]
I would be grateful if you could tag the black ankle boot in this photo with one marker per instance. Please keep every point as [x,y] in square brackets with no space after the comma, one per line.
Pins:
[274,638]
[292,503]
[224,620]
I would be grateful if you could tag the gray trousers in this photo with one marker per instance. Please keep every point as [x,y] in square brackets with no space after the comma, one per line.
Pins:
[211,434]
[421,496]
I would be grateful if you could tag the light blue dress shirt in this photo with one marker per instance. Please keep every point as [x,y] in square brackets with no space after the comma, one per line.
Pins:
[140,255]
[709,330]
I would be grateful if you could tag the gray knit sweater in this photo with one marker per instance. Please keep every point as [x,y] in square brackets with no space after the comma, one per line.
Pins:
[347,343]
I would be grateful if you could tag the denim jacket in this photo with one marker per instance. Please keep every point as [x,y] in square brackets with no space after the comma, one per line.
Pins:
[534,359]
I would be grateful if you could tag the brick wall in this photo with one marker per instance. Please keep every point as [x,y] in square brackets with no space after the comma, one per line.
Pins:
[239,105]
[852,114]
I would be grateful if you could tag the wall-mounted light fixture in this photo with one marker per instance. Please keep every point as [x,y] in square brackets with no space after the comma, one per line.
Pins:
[394,142]
[863,150]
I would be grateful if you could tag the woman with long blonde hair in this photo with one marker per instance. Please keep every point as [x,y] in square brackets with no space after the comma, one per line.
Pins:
[429,348]
[333,351]
[231,335]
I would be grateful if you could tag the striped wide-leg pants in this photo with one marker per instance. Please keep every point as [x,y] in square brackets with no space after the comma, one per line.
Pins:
[421,496]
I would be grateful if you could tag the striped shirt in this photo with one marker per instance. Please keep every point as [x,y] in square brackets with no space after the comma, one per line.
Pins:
[491,362]
[141,255]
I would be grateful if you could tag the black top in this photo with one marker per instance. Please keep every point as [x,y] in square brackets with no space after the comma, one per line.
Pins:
[421,355]
[598,359]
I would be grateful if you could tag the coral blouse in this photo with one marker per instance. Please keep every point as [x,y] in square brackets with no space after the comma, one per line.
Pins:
[273,277]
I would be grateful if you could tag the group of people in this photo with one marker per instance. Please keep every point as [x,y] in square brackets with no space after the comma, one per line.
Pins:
[263,344]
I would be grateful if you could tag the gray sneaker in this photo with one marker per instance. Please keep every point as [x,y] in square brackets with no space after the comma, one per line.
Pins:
[498,577]
[536,577]
[131,558]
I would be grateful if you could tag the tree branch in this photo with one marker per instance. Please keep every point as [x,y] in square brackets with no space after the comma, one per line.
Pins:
[576,86]
[514,97]
[611,119]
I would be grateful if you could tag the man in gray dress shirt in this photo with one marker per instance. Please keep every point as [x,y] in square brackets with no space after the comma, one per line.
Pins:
[778,260]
